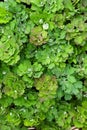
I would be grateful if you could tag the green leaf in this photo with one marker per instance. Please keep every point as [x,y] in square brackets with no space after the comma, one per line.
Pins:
[13,118]
[6,101]
[68,97]
[68,5]
[84,104]
[24,1]
[30,122]
[24,68]
[37,67]
[5,127]
[13,86]
[60,4]
[5,16]
[78,124]
[38,36]
[71,79]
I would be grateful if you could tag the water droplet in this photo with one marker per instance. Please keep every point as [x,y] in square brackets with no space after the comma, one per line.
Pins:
[29,69]
[2,108]
[45,26]
[65,113]
[48,57]
[4,72]
[9,36]
[25,98]
[50,40]
[83,59]
[42,4]
[2,30]
[41,21]
[10,113]
[32,120]
[15,91]
[23,110]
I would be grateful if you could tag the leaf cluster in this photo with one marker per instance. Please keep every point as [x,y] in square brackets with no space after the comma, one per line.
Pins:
[43,64]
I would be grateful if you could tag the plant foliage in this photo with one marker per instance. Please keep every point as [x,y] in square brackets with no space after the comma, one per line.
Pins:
[43,64]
